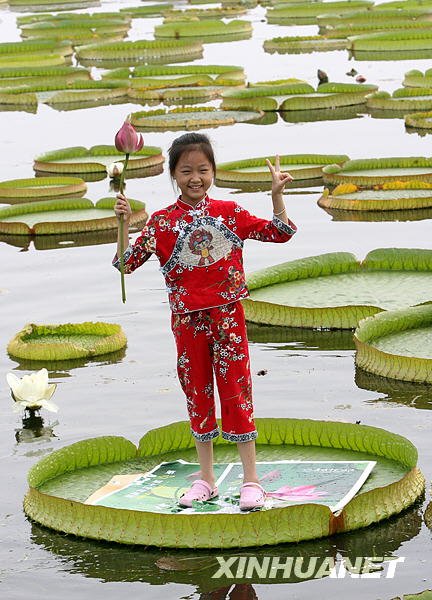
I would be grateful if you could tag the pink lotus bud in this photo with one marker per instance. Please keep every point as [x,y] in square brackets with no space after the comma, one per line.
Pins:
[127,140]
[360,78]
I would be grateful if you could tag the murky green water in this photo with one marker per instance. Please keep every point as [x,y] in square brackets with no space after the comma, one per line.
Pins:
[308,375]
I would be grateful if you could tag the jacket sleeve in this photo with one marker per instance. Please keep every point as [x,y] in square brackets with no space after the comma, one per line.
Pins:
[140,251]
[252,227]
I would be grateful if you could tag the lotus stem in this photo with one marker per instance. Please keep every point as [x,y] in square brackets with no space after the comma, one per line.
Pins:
[122,277]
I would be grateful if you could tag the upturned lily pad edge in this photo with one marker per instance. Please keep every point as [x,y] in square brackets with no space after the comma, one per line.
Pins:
[301,522]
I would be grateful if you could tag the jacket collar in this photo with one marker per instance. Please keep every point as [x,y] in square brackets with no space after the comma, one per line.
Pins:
[186,206]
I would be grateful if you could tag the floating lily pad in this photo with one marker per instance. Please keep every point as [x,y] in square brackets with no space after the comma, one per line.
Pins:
[392,41]
[224,12]
[421,120]
[391,196]
[60,484]
[35,47]
[406,99]
[164,76]
[95,159]
[303,44]
[297,96]
[41,187]
[416,78]
[397,344]
[335,290]
[36,60]
[145,51]
[204,30]
[255,170]
[263,97]
[307,12]
[323,114]
[372,171]
[68,215]
[190,118]
[66,341]
[178,95]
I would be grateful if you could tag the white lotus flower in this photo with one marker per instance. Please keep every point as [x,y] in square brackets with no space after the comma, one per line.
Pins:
[115,169]
[32,391]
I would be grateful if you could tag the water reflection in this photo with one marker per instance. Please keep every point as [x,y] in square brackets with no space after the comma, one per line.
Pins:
[133,62]
[61,368]
[109,562]
[34,429]
[28,108]
[378,216]
[416,395]
[298,338]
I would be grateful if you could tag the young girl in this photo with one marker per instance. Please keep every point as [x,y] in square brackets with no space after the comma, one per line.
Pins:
[199,242]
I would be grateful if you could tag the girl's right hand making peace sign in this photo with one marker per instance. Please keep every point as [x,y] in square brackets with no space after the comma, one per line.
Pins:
[279,179]
[122,207]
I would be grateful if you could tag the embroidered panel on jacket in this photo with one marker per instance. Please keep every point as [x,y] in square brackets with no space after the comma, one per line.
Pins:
[200,250]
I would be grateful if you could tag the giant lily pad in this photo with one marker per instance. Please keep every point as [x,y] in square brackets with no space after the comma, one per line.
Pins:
[297,96]
[41,187]
[140,51]
[390,196]
[66,341]
[416,78]
[204,30]
[255,170]
[335,290]
[392,41]
[190,118]
[95,159]
[60,484]
[421,120]
[302,44]
[69,215]
[372,171]
[407,99]
[397,344]
[307,13]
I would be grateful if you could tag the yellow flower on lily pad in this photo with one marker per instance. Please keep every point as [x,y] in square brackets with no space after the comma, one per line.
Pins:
[33,391]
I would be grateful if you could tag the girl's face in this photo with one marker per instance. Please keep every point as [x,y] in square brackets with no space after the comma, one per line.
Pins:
[194,175]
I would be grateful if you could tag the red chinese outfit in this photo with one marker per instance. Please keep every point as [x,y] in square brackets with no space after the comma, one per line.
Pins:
[200,252]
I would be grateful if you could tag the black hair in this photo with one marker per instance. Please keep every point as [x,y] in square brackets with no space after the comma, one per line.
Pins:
[190,141]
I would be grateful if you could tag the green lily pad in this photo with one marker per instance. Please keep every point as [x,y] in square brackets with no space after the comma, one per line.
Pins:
[95,159]
[397,344]
[422,120]
[190,118]
[204,30]
[413,195]
[66,341]
[61,482]
[335,290]
[255,170]
[68,215]
[415,78]
[392,41]
[303,44]
[307,13]
[41,187]
[402,99]
[143,50]
[372,171]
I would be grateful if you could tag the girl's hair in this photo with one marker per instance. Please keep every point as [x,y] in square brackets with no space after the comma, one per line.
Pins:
[187,142]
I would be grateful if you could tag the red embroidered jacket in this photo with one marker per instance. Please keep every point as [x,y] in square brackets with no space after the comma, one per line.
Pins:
[200,250]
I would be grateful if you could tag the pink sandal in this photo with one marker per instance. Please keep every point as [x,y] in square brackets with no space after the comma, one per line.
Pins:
[199,491]
[252,495]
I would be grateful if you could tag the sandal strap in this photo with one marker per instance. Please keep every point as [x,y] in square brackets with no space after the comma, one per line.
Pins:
[253,484]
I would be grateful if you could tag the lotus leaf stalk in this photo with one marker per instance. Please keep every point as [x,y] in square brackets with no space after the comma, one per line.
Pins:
[127,140]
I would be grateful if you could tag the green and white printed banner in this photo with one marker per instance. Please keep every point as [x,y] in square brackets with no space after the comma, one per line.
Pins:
[331,483]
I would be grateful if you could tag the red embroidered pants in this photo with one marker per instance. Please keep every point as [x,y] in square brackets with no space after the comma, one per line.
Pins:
[213,343]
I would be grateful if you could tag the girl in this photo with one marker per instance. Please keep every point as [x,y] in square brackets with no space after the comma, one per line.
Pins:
[199,242]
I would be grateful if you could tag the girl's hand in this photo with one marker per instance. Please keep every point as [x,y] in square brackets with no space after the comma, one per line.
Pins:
[122,207]
[279,180]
